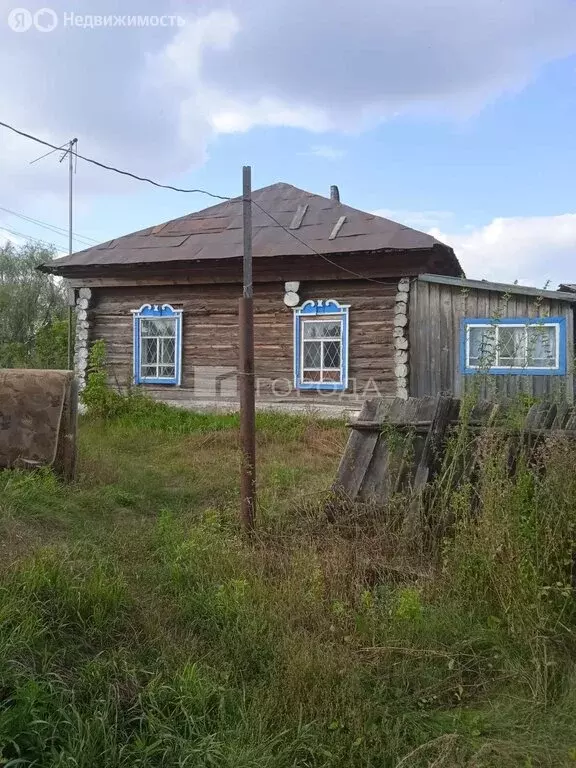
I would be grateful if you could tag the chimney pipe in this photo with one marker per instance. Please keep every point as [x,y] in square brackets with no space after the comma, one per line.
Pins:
[334,193]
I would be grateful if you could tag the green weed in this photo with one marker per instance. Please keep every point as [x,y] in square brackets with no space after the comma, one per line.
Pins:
[139,627]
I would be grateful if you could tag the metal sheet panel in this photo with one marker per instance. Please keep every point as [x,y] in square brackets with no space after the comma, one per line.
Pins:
[216,233]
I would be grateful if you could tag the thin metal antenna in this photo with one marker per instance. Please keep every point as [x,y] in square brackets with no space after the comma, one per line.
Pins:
[47,153]
[70,152]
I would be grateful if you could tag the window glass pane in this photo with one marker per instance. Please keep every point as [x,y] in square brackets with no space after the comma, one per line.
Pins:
[511,346]
[312,354]
[160,326]
[166,326]
[331,330]
[149,351]
[482,346]
[146,327]
[311,330]
[542,346]
[332,354]
[149,370]
[167,350]
[311,376]
[334,376]
[322,329]
[168,371]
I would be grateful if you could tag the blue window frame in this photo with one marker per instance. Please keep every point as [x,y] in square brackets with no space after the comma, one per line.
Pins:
[524,346]
[321,345]
[157,345]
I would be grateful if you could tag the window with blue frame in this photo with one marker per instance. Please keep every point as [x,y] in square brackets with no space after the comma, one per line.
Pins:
[321,345]
[528,346]
[157,344]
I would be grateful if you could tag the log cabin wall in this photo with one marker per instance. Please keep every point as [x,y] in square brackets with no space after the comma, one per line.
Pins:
[435,314]
[210,338]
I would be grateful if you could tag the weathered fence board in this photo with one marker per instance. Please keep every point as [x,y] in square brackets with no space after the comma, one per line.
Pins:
[399,444]
[360,448]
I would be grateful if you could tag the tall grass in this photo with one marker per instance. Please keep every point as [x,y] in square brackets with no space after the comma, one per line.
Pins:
[139,628]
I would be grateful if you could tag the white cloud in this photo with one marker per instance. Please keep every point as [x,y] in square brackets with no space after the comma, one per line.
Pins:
[229,116]
[324,151]
[152,99]
[389,56]
[532,250]
[422,220]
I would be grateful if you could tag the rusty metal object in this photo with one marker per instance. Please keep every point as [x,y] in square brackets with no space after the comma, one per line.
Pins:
[38,415]
[247,415]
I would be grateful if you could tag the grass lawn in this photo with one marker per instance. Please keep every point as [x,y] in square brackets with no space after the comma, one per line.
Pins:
[139,628]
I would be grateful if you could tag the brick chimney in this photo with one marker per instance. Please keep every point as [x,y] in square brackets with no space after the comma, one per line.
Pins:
[334,193]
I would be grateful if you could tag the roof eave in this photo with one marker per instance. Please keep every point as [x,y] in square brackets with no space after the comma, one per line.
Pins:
[486,285]
[438,256]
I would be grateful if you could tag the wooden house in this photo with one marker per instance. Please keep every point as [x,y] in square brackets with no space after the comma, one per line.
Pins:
[346,306]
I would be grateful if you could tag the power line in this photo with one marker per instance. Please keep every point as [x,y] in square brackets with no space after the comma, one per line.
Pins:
[24,235]
[200,191]
[111,167]
[84,240]
[322,256]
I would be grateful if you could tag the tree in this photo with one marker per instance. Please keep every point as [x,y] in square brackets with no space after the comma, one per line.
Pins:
[33,328]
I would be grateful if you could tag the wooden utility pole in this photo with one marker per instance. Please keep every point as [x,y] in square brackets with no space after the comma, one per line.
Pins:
[247,400]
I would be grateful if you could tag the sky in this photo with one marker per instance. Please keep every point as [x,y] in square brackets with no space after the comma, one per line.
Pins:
[456,117]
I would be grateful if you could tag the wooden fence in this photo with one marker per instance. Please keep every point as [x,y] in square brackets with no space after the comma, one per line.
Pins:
[397,445]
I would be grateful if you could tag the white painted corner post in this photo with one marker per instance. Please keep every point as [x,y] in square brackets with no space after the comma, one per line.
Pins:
[83,299]
[401,339]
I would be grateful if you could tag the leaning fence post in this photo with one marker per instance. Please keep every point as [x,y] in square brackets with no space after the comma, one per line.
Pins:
[444,413]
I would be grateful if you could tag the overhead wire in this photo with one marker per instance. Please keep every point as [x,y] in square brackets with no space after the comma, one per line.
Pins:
[113,168]
[199,191]
[313,250]
[83,239]
[32,238]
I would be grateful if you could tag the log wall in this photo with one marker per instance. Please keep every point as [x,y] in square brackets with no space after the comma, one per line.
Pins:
[210,338]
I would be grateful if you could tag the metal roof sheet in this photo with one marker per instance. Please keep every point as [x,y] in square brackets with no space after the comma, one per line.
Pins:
[486,285]
[216,233]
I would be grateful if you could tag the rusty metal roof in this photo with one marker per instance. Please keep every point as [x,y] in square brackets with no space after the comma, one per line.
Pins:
[215,233]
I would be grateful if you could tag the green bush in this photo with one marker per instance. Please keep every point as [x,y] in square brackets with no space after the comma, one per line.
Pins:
[97,396]
[51,344]
[33,322]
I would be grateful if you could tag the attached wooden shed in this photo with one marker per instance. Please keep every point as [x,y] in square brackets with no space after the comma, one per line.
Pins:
[497,338]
